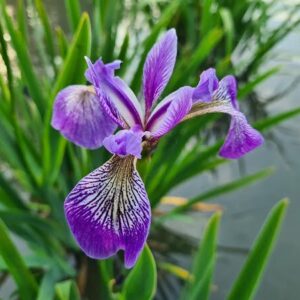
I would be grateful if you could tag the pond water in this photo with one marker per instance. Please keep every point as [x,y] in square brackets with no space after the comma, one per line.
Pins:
[245,210]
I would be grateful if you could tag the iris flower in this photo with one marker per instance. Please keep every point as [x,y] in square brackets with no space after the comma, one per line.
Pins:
[109,210]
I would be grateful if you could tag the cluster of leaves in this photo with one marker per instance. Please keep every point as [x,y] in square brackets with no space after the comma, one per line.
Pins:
[39,168]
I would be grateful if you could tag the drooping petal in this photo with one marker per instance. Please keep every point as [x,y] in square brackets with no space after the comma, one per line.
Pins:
[241,138]
[109,86]
[172,110]
[158,67]
[125,142]
[109,210]
[206,87]
[79,117]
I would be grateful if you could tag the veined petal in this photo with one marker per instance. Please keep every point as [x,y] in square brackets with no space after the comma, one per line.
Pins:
[78,115]
[206,87]
[172,110]
[109,86]
[125,142]
[158,67]
[241,138]
[109,210]
[228,90]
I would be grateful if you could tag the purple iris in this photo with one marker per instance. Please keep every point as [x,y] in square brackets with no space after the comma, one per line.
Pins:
[109,210]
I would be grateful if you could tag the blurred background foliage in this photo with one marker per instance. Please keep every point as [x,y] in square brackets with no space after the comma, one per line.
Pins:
[39,167]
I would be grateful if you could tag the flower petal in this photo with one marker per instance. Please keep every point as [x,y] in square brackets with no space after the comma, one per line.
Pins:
[172,110]
[158,67]
[78,115]
[207,85]
[109,210]
[228,90]
[241,139]
[109,86]
[125,142]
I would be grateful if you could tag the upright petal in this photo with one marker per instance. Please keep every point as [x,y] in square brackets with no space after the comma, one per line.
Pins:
[228,90]
[158,67]
[125,142]
[79,117]
[170,112]
[206,87]
[111,87]
[109,210]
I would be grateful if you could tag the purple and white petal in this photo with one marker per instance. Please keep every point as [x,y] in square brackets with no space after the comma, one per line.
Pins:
[158,68]
[108,210]
[206,87]
[228,90]
[78,115]
[173,109]
[125,142]
[109,86]
[241,138]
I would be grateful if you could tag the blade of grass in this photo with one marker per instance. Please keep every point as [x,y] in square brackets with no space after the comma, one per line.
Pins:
[251,274]
[73,13]
[223,189]
[204,262]
[24,60]
[135,286]
[22,276]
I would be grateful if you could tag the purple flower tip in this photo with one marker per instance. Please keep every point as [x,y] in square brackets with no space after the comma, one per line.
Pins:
[125,142]
[207,85]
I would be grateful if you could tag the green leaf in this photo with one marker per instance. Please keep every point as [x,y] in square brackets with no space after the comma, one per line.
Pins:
[21,18]
[277,119]
[48,35]
[73,13]
[22,276]
[67,290]
[140,284]
[204,262]
[207,17]
[61,41]
[226,188]
[46,288]
[249,278]
[228,28]
[24,60]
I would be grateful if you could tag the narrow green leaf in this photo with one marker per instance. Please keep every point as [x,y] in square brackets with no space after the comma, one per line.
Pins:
[226,188]
[277,119]
[48,35]
[141,281]
[250,276]
[228,28]
[250,86]
[22,276]
[204,262]
[67,290]
[73,13]
[24,60]
[207,17]
[61,41]
[21,18]
[46,288]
